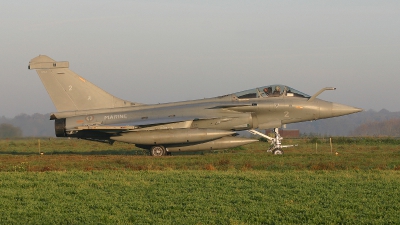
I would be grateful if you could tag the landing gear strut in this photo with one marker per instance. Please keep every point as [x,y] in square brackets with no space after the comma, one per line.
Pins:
[276,144]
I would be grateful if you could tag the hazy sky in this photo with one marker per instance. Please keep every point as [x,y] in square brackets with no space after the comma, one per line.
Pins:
[163,51]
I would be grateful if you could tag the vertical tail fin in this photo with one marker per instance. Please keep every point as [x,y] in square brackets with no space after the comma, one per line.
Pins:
[69,91]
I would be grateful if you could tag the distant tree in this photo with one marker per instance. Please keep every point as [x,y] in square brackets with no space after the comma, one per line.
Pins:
[9,131]
[389,127]
[36,125]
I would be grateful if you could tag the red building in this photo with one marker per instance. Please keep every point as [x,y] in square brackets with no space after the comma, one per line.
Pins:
[286,133]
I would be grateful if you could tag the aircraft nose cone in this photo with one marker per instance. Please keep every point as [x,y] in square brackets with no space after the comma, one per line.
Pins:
[340,110]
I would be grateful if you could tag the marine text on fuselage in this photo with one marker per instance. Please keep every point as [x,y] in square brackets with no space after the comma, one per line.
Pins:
[116,116]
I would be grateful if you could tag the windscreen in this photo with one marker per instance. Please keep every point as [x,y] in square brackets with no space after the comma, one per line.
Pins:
[276,90]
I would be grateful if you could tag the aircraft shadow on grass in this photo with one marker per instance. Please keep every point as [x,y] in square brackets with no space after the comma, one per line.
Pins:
[99,152]
[137,152]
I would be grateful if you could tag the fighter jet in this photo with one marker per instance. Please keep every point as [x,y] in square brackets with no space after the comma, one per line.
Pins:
[87,112]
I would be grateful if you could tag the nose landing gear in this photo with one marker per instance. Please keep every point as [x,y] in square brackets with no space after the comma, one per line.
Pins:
[276,144]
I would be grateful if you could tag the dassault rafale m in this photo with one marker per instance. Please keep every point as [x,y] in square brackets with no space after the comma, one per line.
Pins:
[87,112]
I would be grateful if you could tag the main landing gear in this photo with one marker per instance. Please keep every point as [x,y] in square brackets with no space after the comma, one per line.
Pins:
[157,150]
[276,144]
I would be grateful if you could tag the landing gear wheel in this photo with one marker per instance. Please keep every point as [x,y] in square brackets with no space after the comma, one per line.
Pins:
[278,152]
[157,150]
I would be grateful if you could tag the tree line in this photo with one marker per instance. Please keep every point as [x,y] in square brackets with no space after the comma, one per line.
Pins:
[389,127]
[366,123]
[36,125]
[9,131]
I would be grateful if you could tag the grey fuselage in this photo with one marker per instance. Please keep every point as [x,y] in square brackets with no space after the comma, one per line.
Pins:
[222,113]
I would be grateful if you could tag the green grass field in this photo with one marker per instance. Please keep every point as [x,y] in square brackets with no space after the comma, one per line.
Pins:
[80,182]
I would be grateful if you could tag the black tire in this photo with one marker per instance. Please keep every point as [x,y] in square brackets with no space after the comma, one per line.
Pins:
[157,150]
[278,152]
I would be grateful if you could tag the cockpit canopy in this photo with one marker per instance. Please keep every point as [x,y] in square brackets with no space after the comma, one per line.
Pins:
[276,90]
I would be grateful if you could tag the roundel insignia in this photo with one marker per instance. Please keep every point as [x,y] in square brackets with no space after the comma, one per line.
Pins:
[89,118]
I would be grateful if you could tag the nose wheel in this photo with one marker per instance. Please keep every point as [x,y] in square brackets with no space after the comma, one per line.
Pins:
[277,152]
